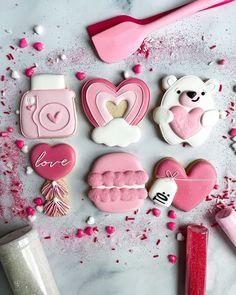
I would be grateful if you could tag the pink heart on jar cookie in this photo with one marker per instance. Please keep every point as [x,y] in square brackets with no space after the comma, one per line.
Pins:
[184,188]
[115,111]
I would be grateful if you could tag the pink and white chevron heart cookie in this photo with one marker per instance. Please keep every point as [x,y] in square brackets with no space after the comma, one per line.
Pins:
[115,111]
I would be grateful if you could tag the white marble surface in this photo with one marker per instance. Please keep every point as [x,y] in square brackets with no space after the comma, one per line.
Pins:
[182,51]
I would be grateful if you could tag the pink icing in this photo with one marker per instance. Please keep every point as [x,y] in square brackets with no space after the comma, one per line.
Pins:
[193,186]
[51,113]
[59,190]
[52,162]
[186,124]
[109,178]
[97,92]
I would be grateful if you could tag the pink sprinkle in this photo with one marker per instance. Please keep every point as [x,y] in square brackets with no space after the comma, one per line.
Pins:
[80,233]
[4,134]
[30,211]
[156,212]
[80,76]
[172,214]
[23,43]
[95,229]
[220,88]
[221,62]
[137,69]
[89,230]
[20,143]
[38,201]
[158,242]
[172,258]
[232,132]
[38,46]
[213,46]
[10,129]
[2,78]
[110,229]
[29,71]
[171,226]
[216,186]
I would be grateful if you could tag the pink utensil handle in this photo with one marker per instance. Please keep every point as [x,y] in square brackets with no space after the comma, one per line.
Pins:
[181,12]
[196,260]
[226,218]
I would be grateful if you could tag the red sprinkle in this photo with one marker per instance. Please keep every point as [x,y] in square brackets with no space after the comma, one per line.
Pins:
[158,242]
[144,237]
[137,69]
[155,256]
[89,230]
[156,212]
[30,211]
[171,225]
[110,229]
[47,237]
[221,62]
[220,88]
[80,76]
[10,129]
[2,78]
[38,46]
[23,43]
[20,143]
[38,201]
[172,259]
[213,46]
[172,214]
[148,211]
[80,233]
[129,218]
[232,132]
[4,134]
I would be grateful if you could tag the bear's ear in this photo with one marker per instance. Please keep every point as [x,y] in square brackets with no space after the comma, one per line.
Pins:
[168,81]
[212,85]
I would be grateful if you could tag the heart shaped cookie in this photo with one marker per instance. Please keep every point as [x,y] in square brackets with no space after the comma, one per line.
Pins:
[52,162]
[193,184]
[97,92]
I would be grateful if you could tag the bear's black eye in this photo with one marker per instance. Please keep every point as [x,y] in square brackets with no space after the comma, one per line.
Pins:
[203,93]
[178,91]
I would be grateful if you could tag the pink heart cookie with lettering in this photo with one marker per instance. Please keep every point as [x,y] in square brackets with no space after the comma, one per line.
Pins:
[97,92]
[52,162]
[194,183]
[186,124]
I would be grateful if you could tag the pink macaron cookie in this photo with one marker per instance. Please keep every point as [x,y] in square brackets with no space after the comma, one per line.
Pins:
[117,183]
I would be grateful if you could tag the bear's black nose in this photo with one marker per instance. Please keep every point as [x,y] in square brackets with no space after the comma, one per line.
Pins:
[191,94]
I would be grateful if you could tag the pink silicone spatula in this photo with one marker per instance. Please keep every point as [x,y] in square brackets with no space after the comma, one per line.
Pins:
[119,37]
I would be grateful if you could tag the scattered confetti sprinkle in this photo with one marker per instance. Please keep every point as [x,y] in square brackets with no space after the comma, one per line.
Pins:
[110,229]
[39,46]
[137,69]
[80,76]
[23,43]
[172,258]
[171,225]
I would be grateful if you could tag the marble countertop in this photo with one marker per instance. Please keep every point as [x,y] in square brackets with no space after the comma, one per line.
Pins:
[82,266]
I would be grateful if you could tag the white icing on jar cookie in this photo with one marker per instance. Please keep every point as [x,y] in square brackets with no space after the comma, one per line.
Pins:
[187,112]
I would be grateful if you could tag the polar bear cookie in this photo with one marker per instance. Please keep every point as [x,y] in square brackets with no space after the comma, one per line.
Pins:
[115,111]
[184,188]
[187,112]
[117,183]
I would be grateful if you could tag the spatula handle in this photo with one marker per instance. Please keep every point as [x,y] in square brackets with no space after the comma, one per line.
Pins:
[181,12]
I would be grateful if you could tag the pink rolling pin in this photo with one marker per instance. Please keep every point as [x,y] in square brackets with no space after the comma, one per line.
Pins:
[226,218]
[196,260]
[119,37]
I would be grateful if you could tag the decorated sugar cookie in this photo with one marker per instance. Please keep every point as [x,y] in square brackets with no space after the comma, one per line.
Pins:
[48,109]
[115,111]
[184,188]
[187,112]
[117,183]
[53,163]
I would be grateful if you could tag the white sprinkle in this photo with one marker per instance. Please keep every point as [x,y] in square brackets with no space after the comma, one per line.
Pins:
[38,29]
[17,112]
[29,170]
[9,165]
[8,31]
[126,74]
[39,209]
[234,88]
[55,199]
[57,60]
[25,149]
[222,114]
[90,220]
[54,183]
[63,57]
[32,218]
[36,65]
[234,138]
[15,75]
[180,237]
[210,63]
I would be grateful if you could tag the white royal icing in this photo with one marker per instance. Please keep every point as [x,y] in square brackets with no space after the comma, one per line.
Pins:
[117,132]
[163,190]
